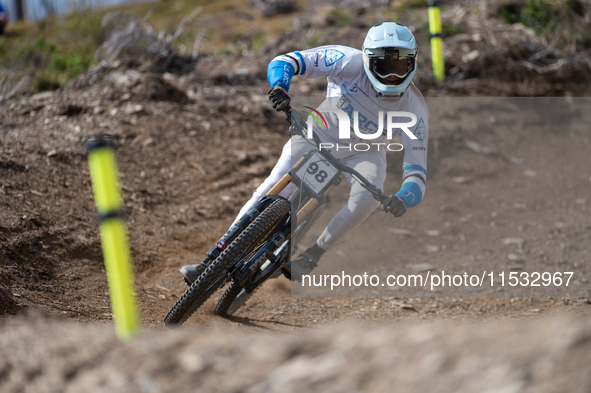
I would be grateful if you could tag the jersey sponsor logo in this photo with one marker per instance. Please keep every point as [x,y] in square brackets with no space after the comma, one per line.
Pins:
[331,56]
[317,56]
[419,132]
[418,148]
[286,74]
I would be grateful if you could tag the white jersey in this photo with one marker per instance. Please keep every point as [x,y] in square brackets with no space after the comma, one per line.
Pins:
[350,90]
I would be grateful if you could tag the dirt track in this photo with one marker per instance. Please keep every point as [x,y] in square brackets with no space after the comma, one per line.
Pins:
[186,170]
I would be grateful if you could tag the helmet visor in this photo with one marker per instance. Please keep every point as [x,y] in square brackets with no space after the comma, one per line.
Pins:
[388,66]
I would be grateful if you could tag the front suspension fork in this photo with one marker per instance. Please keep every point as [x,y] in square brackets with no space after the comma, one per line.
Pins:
[238,227]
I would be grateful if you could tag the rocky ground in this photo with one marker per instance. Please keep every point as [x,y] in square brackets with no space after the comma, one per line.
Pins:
[534,356]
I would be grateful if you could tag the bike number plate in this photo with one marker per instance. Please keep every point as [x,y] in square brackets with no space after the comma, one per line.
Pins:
[316,173]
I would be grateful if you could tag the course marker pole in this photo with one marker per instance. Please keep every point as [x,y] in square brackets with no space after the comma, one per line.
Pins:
[107,198]
[436,40]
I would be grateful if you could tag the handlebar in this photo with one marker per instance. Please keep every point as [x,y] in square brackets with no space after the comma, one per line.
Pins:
[296,128]
[287,111]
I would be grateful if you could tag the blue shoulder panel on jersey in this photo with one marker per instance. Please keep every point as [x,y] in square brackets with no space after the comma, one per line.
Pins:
[331,56]
[410,193]
[420,130]
[415,168]
[303,71]
[280,72]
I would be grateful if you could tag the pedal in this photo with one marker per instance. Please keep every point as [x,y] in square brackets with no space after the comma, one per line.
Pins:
[186,281]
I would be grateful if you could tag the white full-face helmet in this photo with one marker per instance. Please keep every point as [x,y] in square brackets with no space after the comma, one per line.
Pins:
[389,53]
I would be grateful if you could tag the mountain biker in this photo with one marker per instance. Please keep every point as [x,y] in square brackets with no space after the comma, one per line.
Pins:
[381,74]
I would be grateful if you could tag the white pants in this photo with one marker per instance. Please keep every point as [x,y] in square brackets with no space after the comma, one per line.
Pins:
[370,164]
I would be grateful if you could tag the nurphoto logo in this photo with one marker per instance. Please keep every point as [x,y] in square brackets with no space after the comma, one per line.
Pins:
[393,121]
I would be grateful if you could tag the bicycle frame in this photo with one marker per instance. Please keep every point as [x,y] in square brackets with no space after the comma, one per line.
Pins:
[305,210]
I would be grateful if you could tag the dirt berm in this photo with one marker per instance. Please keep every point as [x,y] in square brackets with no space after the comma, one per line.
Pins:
[538,356]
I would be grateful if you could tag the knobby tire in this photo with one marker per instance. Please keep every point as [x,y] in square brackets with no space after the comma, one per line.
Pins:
[227,298]
[201,289]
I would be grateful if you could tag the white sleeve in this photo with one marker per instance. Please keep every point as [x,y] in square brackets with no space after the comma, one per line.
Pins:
[331,61]
[414,163]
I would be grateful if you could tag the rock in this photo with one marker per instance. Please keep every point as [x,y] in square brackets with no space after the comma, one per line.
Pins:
[151,86]
[469,57]
[431,249]
[514,257]
[466,217]
[530,173]
[420,267]
[123,78]
[433,232]
[131,109]
[42,96]
[400,231]
[306,370]
[477,147]
[513,240]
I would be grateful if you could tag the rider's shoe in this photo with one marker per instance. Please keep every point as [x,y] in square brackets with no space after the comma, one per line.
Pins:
[303,264]
[192,272]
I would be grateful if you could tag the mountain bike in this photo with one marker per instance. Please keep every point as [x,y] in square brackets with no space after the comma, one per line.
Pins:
[256,247]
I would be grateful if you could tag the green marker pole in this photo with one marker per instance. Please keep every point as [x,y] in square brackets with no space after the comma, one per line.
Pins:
[107,198]
[436,40]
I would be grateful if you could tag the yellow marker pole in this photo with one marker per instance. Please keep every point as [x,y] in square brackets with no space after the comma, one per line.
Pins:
[107,198]
[436,40]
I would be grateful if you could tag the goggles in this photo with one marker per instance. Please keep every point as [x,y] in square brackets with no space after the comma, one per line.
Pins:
[391,64]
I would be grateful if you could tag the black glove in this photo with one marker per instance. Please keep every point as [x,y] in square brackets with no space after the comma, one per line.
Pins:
[394,205]
[279,98]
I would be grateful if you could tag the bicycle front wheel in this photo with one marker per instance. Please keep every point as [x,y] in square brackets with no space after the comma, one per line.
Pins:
[211,279]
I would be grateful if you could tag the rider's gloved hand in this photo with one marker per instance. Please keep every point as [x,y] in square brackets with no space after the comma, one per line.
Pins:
[279,98]
[393,204]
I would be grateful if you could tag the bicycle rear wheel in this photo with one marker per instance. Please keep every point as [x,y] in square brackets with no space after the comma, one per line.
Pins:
[227,298]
